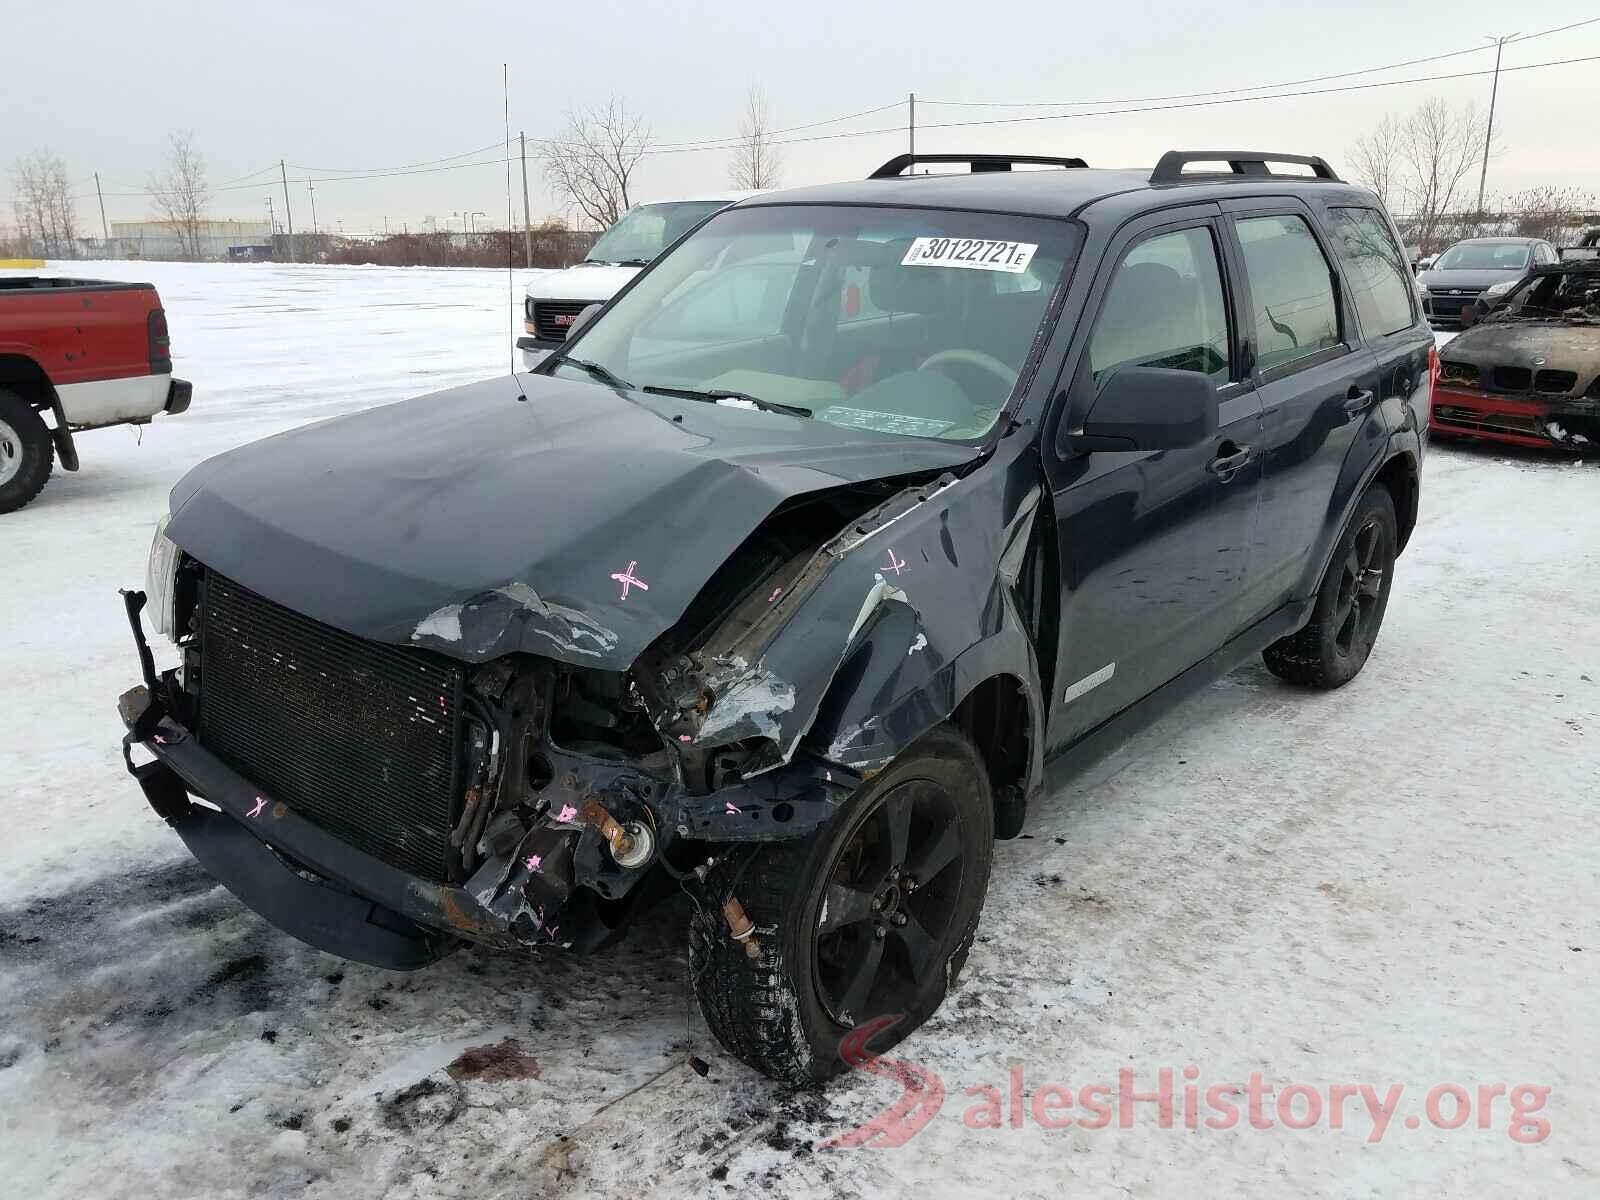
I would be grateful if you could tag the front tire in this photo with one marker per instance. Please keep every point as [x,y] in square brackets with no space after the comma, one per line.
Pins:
[871,915]
[1334,645]
[26,452]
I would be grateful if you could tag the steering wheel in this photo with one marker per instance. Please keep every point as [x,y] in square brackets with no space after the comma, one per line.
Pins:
[973,358]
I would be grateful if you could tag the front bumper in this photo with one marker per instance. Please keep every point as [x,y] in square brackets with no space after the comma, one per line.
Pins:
[314,886]
[535,350]
[1503,419]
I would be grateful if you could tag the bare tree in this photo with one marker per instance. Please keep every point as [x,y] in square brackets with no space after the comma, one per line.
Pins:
[43,204]
[181,192]
[590,166]
[1439,147]
[1375,160]
[756,162]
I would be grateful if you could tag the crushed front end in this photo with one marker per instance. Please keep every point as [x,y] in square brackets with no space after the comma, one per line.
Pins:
[1531,405]
[383,802]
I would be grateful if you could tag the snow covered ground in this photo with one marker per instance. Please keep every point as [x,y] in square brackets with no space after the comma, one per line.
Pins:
[1390,885]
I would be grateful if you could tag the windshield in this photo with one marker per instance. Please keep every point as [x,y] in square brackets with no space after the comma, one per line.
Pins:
[901,321]
[646,231]
[1483,256]
[1574,296]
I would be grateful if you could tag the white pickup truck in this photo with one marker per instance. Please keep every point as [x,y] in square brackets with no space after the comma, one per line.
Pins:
[556,297]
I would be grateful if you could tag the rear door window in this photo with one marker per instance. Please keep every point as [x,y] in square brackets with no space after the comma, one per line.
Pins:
[1291,289]
[1380,284]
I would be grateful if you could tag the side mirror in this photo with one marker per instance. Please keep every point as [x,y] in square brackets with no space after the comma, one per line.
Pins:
[1147,408]
[582,319]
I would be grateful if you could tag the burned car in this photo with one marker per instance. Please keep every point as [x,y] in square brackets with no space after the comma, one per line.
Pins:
[1529,372]
[783,579]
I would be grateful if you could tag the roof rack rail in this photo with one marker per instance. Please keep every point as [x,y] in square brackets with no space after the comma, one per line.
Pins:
[1240,162]
[897,165]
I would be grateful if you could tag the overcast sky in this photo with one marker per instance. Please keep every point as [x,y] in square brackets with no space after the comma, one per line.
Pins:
[344,86]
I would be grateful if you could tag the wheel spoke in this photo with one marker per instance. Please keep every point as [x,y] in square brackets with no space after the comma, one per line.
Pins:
[919,945]
[935,854]
[1367,545]
[861,974]
[895,820]
[1352,568]
[843,905]
[1348,622]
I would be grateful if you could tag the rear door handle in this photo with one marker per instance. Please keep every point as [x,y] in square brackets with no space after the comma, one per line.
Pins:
[1226,464]
[1357,402]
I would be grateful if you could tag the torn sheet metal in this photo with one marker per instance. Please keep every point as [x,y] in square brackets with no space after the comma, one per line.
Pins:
[879,637]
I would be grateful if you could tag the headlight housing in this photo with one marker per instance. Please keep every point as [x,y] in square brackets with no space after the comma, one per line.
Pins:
[161,580]
[1497,290]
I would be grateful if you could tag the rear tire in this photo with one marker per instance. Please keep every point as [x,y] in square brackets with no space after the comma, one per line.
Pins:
[847,930]
[26,452]
[1334,645]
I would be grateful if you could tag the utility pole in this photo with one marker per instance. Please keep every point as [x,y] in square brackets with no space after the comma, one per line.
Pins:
[272,221]
[105,231]
[1488,137]
[911,129]
[288,209]
[313,192]
[527,229]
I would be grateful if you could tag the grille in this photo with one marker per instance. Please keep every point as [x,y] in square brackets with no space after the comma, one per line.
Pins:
[1512,379]
[356,736]
[552,318]
[1557,382]
[1442,306]
[1488,421]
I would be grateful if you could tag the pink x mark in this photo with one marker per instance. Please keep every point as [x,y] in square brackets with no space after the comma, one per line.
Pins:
[256,811]
[628,579]
[567,813]
[534,861]
[895,564]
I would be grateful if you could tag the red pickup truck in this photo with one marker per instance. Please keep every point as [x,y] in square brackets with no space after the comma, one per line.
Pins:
[76,354]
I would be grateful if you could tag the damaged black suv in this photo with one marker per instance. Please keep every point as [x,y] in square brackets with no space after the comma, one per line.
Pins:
[784,580]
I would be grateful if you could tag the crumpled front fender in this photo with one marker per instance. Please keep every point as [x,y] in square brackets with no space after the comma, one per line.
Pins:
[893,624]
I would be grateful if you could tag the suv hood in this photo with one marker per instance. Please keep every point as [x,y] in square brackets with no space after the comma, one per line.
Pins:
[578,524]
[594,283]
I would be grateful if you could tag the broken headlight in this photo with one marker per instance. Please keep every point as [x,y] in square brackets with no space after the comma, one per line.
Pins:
[160,579]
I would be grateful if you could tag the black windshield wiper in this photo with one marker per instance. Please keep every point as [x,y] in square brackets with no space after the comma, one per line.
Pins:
[603,373]
[632,262]
[714,394]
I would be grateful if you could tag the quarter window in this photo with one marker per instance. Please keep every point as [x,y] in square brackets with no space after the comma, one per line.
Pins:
[1291,289]
[1380,285]
[1165,308]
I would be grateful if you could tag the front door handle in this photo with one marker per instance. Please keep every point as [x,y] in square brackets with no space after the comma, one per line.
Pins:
[1225,465]
[1357,402]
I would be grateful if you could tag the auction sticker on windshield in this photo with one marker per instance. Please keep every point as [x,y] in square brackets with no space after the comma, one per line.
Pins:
[978,254]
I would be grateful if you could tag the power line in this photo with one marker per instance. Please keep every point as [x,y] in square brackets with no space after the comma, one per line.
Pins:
[251,175]
[402,166]
[736,139]
[1260,86]
[686,148]
[1354,87]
